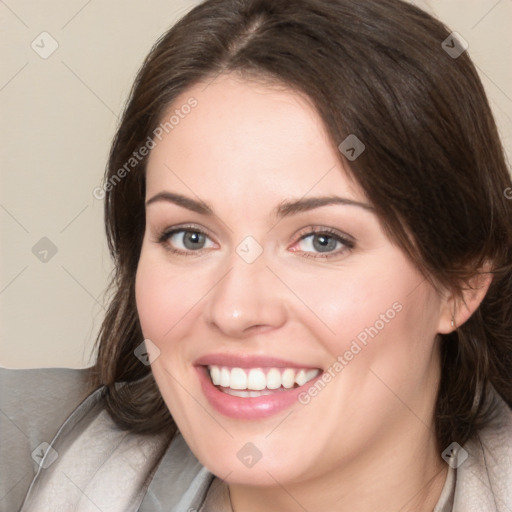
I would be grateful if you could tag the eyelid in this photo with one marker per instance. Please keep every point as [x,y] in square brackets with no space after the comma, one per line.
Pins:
[164,236]
[345,239]
[167,232]
[315,230]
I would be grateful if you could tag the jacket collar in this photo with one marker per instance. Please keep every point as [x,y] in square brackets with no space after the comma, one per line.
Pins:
[99,466]
[92,465]
[484,478]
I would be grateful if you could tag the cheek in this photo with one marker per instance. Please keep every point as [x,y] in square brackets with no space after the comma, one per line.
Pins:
[386,314]
[155,303]
[351,304]
[381,349]
[163,298]
[164,304]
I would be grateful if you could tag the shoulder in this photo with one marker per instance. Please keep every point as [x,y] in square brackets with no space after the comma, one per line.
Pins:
[40,399]
[51,378]
[484,477]
[33,405]
[51,414]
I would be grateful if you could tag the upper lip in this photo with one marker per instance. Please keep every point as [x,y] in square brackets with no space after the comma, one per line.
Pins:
[248,361]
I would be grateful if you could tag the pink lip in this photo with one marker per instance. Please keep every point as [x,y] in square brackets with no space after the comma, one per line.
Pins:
[250,408]
[248,361]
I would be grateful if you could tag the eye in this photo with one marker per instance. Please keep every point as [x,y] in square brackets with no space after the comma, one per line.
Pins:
[185,240]
[324,243]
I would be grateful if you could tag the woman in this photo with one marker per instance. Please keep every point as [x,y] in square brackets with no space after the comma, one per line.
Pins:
[306,205]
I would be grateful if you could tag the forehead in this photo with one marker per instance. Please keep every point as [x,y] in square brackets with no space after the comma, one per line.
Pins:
[246,137]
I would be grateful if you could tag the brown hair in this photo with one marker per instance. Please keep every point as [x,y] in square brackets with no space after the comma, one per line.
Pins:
[433,168]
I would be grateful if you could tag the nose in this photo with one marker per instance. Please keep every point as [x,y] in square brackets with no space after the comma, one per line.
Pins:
[247,299]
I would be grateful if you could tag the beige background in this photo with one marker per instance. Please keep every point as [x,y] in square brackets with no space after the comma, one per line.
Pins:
[58,116]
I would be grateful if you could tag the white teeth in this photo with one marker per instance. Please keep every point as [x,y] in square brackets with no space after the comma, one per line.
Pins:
[225,377]
[238,379]
[215,375]
[300,379]
[311,374]
[273,378]
[245,393]
[288,378]
[256,381]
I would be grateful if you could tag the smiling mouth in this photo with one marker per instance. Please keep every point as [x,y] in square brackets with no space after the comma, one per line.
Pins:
[255,382]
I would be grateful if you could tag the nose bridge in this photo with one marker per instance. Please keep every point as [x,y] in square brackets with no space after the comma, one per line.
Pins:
[247,295]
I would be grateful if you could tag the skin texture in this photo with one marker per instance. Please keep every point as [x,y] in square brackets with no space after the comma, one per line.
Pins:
[366,441]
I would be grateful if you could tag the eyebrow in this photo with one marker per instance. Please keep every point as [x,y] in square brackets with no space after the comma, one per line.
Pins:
[284,209]
[304,204]
[186,202]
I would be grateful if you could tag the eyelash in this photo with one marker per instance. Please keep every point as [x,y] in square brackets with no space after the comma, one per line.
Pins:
[346,241]
[167,234]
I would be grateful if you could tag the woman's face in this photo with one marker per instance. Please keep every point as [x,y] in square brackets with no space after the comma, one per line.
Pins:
[264,268]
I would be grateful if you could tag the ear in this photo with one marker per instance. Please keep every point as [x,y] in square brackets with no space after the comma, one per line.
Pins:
[457,308]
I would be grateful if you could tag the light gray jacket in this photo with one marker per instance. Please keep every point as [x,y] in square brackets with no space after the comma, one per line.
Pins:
[60,451]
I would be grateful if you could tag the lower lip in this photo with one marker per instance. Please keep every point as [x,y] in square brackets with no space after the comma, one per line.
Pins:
[249,408]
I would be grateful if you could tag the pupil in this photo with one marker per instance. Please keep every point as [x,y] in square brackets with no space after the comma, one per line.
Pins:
[324,243]
[192,240]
